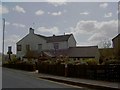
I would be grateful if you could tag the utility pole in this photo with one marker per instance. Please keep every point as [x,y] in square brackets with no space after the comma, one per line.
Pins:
[3,39]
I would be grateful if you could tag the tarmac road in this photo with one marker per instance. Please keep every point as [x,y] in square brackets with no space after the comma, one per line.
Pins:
[15,79]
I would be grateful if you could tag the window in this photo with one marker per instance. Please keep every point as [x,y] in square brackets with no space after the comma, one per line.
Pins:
[56,46]
[19,47]
[39,47]
[28,47]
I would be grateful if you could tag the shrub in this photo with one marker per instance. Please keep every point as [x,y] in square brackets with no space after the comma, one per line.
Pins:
[91,61]
[109,62]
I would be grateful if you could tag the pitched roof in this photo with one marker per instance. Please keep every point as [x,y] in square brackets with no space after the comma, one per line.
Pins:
[89,51]
[40,36]
[83,52]
[56,38]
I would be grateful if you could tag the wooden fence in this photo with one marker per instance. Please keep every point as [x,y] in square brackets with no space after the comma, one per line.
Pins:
[21,66]
[96,72]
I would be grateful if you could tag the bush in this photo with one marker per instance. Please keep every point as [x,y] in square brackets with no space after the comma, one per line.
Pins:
[91,61]
[114,62]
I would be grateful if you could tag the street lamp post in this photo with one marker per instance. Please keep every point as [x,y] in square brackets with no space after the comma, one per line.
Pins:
[3,39]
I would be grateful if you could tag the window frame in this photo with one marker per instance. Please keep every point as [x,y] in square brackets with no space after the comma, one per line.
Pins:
[19,47]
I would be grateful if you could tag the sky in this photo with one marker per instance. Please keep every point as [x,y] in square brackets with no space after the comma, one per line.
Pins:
[89,22]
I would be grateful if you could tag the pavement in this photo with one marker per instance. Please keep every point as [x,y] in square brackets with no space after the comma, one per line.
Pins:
[92,84]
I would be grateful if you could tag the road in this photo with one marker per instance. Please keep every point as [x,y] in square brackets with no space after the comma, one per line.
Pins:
[15,79]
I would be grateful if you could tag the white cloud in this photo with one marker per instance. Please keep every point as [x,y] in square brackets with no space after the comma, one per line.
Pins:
[83,27]
[103,5]
[19,9]
[95,31]
[98,36]
[56,13]
[107,31]
[84,13]
[18,25]
[57,2]
[12,39]
[3,10]
[48,31]
[108,15]
[39,12]
[7,23]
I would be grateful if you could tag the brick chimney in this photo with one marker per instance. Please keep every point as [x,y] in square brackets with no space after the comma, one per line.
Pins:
[31,31]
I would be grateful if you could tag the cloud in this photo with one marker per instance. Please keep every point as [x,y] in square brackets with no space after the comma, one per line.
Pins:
[19,9]
[83,27]
[56,13]
[3,10]
[11,41]
[107,31]
[108,15]
[48,31]
[98,36]
[95,31]
[84,13]
[7,23]
[57,2]
[18,25]
[103,5]
[39,12]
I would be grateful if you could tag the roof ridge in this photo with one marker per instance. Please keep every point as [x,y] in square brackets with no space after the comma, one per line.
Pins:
[59,35]
[58,38]
[40,35]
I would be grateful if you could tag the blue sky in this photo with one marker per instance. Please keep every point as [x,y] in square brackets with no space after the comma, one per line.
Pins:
[90,22]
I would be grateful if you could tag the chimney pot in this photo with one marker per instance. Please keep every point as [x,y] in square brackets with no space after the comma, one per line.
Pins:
[31,31]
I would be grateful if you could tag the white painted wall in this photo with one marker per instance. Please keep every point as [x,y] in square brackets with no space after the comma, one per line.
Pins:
[71,41]
[33,40]
[62,45]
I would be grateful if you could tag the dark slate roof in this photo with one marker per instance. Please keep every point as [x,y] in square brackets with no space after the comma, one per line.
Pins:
[86,51]
[80,52]
[41,36]
[53,53]
[56,38]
